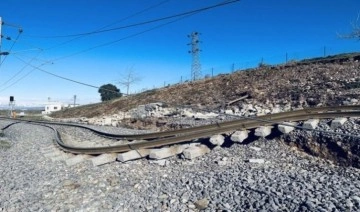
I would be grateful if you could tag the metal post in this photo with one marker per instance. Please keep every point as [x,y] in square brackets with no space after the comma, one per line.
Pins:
[74,100]
[11,105]
[0,37]
[195,52]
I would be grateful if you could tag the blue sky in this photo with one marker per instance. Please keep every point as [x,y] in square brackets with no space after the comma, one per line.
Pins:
[239,35]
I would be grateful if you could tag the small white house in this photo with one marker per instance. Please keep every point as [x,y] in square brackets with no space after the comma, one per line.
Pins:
[52,107]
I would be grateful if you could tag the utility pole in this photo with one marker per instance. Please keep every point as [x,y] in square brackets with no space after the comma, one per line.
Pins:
[11,105]
[7,38]
[195,52]
[74,100]
[0,37]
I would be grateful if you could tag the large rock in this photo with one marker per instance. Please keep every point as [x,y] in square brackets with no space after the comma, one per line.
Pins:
[201,204]
[197,115]
[256,160]
[139,113]
[206,115]
[229,112]
[107,121]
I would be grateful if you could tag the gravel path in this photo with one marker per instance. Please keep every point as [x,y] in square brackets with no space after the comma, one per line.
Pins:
[219,181]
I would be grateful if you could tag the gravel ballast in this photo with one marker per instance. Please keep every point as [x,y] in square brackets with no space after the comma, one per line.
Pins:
[221,180]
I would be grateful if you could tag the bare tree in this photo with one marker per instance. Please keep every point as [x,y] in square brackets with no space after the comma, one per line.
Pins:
[355,34]
[128,79]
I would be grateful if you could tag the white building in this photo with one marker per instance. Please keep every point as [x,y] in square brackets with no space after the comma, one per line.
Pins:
[52,107]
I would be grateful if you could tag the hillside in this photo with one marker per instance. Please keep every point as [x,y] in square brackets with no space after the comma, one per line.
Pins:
[334,80]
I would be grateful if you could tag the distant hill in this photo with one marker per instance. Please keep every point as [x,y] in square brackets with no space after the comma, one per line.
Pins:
[32,108]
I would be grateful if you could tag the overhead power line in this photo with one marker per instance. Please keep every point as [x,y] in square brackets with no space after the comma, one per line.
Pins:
[36,48]
[51,61]
[181,16]
[141,32]
[27,74]
[108,25]
[101,45]
[6,53]
[12,25]
[145,22]
[12,46]
[17,73]
[121,39]
[64,78]
[135,14]
[75,81]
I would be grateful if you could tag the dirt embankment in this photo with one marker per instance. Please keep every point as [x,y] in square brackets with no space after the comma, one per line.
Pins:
[290,86]
[304,85]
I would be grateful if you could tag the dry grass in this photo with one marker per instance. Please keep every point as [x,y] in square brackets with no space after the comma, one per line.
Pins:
[275,84]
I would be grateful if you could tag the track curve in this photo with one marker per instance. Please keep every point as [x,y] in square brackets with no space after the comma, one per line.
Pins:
[159,139]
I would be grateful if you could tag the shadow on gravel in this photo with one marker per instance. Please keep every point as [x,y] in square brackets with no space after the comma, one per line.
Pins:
[275,133]
[207,142]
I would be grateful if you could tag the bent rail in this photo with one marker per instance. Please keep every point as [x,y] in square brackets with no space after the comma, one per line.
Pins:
[221,128]
[183,135]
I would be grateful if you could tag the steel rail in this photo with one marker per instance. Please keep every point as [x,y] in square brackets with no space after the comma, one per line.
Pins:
[242,119]
[185,137]
[178,136]
[172,133]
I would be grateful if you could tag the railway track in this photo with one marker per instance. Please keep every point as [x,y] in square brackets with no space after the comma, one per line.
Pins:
[118,143]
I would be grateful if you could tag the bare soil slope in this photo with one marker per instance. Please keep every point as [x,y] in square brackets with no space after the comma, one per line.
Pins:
[311,83]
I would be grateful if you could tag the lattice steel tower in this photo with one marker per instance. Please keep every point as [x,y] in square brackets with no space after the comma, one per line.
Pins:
[195,52]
